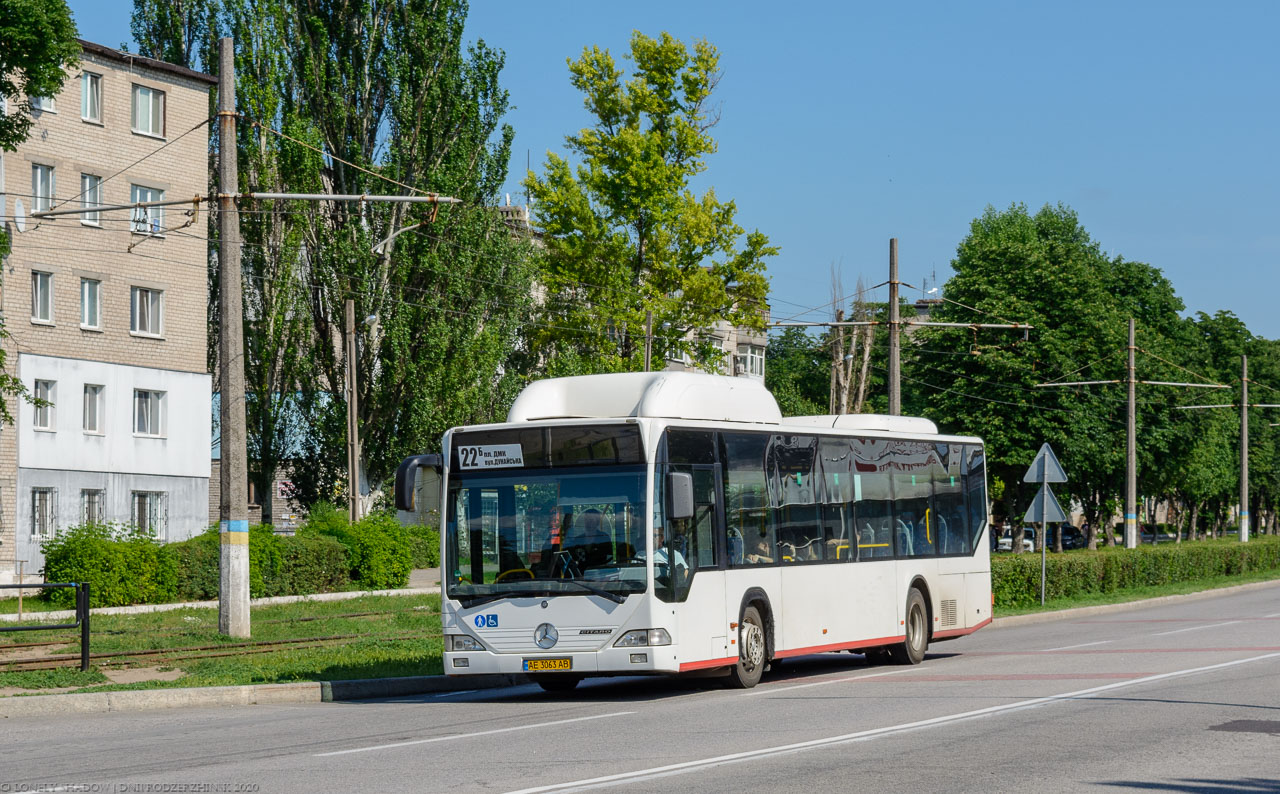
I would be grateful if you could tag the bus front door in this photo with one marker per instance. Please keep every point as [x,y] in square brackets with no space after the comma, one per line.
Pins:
[697,582]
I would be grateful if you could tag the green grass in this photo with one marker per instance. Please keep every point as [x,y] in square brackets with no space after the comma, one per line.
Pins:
[9,606]
[401,638]
[1141,593]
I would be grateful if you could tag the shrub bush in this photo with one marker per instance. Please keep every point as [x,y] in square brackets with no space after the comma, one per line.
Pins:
[379,555]
[312,564]
[1015,579]
[197,560]
[424,545]
[121,565]
[277,565]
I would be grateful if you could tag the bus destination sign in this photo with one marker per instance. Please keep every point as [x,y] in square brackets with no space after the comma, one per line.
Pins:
[491,456]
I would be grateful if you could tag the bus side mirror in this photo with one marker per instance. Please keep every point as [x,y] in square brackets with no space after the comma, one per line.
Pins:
[407,480]
[679,496]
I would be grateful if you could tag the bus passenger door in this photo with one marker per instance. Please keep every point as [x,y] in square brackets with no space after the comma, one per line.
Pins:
[697,583]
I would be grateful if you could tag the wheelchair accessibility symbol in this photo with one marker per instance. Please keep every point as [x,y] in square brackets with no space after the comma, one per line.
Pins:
[486,621]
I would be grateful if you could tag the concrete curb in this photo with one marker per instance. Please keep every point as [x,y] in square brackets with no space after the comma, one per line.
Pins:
[1104,609]
[249,695]
[138,609]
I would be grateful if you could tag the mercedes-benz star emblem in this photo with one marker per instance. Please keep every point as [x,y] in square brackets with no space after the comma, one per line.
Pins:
[546,635]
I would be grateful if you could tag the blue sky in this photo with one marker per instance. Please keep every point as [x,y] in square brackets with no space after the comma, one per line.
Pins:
[845,124]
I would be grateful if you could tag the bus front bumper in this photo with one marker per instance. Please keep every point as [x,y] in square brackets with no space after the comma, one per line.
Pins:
[607,661]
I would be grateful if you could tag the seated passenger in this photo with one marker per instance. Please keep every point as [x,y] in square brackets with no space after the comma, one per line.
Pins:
[760,551]
[589,545]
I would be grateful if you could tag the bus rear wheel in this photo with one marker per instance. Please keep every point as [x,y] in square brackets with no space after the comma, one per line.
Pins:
[751,651]
[557,683]
[913,646]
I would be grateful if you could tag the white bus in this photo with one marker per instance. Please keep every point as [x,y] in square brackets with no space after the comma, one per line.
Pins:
[675,522]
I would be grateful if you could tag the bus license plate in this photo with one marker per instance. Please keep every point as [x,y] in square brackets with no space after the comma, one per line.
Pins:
[539,665]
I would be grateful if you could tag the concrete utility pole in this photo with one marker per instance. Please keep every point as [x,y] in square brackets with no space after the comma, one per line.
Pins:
[1244,448]
[1244,440]
[895,360]
[895,324]
[233,567]
[353,430]
[1131,455]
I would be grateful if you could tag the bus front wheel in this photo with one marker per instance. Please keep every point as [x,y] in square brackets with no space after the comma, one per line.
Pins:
[913,646]
[751,650]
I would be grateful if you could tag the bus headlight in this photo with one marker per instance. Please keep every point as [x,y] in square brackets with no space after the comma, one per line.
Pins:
[638,638]
[464,642]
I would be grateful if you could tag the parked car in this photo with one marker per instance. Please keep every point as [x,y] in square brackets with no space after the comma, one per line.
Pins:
[1073,537]
[1005,542]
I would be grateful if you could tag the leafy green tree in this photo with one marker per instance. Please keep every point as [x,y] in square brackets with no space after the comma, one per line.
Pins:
[626,234]
[1045,270]
[374,97]
[39,45]
[796,371]
[177,31]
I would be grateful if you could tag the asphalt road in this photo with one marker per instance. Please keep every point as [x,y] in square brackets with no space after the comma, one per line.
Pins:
[1182,697]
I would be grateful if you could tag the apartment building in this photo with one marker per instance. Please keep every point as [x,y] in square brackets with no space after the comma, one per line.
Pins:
[106,310]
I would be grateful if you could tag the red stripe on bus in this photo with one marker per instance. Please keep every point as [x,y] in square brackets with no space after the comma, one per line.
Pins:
[840,646]
[703,665]
[960,632]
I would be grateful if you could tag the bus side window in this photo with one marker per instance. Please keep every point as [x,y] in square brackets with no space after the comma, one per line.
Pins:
[747,512]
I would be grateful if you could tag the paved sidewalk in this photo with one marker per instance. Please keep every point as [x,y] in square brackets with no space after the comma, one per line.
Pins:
[421,582]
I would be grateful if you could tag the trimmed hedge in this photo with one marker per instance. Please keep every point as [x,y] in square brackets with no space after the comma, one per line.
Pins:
[278,565]
[424,546]
[122,566]
[1015,578]
[378,548]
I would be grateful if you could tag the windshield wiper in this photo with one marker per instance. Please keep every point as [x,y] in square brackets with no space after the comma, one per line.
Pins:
[614,597]
[477,600]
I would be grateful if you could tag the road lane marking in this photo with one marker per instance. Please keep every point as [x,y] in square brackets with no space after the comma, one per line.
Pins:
[1276,615]
[454,736]
[685,767]
[1194,628]
[772,690]
[1081,645]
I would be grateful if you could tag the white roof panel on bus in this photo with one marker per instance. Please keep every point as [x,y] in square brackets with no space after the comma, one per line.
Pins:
[668,395]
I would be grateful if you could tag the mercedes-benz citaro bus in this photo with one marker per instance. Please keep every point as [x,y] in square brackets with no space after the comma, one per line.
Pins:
[673,522]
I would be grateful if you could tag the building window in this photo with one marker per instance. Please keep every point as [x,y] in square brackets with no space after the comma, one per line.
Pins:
[44,512]
[150,512]
[42,187]
[46,394]
[90,303]
[91,96]
[148,111]
[93,407]
[92,507]
[90,196]
[146,311]
[148,412]
[146,220]
[44,104]
[749,361]
[41,297]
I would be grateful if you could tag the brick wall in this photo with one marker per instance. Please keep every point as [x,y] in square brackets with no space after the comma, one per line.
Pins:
[108,252]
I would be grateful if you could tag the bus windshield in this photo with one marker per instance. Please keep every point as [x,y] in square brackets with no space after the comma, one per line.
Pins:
[537,532]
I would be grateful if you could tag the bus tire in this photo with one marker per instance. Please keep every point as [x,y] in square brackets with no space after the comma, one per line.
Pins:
[752,646]
[557,683]
[916,625]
